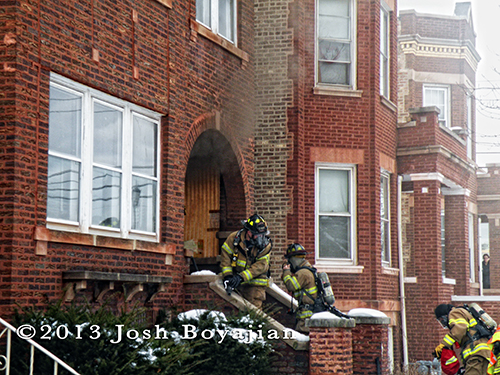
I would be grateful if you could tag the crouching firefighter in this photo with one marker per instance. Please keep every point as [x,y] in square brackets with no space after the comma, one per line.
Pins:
[245,260]
[300,281]
[471,337]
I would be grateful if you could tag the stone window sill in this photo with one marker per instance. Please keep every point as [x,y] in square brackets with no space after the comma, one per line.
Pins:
[386,102]
[390,271]
[339,268]
[43,236]
[197,28]
[336,91]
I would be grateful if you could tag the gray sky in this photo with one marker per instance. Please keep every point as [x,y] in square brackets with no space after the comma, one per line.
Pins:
[486,19]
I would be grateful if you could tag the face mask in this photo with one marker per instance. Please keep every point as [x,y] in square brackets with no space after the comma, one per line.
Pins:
[259,241]
[295,262]
[443,320]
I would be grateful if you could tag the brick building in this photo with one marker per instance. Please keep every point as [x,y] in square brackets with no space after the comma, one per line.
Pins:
[132,128]
[436,160]
[135,134]
[325,171]
[120,120]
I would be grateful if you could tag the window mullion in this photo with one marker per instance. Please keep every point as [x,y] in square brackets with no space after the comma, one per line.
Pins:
[215,15]
[126,188]
[87,160]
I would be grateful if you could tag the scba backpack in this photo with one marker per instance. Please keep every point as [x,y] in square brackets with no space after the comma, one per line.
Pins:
[486,325]
[325,299]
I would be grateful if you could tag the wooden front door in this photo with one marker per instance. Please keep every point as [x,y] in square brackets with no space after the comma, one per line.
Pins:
[202,200]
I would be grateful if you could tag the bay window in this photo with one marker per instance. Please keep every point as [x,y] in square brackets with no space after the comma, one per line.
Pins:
[103,163]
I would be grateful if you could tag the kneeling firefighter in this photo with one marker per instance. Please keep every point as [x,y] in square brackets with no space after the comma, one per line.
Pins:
[471,337]
[245,260]
[300,281]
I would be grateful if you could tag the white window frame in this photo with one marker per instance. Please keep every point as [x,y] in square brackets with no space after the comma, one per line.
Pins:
[385,220]
[444,114]
[385,36]
[84,225]
[351,85]
[472,245]
[213,23]
[351,168]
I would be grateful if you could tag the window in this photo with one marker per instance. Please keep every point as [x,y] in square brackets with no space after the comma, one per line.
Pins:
[336,45]
[385,229]
[103,163]
[219,16]
[384,51]
[335,213]
[438,96]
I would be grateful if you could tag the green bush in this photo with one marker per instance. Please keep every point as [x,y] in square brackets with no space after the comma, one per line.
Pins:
[234,345]
[89,341]
[81,338]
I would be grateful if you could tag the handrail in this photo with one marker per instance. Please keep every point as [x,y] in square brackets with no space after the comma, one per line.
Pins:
[56,360]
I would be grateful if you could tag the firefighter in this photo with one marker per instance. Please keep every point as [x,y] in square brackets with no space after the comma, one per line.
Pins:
[494,345]
[300,281]
[470,336]
[245,258]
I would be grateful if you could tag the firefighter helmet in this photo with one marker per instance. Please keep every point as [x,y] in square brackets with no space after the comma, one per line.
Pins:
[256,224]
[295,249]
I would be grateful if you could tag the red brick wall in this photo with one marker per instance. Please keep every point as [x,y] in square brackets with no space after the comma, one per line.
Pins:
[142,52]
[330,351]
[369,347]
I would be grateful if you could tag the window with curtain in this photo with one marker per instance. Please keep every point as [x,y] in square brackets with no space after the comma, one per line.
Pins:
[102,176]
[335,213]
[336,46]
[438,96]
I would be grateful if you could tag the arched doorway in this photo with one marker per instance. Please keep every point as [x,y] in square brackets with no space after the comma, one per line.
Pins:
[214,197]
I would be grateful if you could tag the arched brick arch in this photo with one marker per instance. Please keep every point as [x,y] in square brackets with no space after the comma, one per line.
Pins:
[211,120]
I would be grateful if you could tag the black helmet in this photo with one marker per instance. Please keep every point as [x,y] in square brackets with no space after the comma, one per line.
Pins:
[256,224]
[295,249]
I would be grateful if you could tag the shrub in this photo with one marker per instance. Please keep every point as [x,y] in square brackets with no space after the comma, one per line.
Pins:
[234,345]
[90,342]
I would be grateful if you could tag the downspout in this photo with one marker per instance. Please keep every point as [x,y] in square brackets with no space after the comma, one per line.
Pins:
[401,274]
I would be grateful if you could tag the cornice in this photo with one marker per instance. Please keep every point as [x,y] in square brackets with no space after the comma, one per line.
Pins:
[440,48]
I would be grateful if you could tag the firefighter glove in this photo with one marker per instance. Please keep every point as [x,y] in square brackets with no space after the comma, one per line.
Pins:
[438,350]
[235,281]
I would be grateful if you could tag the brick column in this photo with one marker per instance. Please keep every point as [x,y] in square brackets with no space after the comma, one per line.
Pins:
[457,242]
[330,346]
[370,340]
